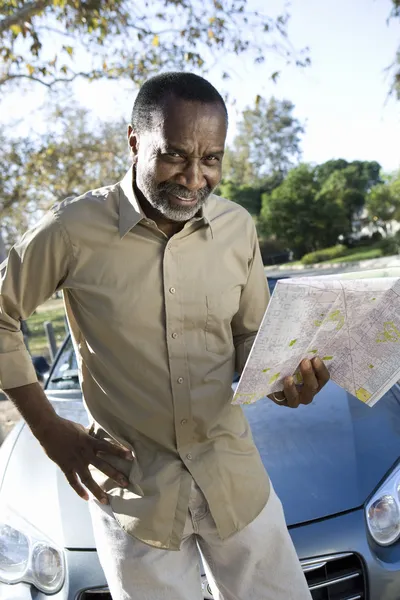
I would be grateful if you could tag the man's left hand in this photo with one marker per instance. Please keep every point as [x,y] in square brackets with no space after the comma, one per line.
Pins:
[315,375]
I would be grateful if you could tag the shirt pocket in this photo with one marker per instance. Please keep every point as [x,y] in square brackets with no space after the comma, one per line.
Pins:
[221,308]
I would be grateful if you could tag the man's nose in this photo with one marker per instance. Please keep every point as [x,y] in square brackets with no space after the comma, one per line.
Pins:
[192,176]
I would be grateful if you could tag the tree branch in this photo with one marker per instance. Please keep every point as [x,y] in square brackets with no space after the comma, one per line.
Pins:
[7,78]
[50,84]
[26,12]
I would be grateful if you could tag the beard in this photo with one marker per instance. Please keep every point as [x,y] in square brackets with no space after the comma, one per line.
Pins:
[157,195]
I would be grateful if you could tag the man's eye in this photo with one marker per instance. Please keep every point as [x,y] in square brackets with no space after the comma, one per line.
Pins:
[212,158]
[173,155]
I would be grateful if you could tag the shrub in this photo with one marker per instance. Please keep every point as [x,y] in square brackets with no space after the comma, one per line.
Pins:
[389,246]
[376,237]
[325,254]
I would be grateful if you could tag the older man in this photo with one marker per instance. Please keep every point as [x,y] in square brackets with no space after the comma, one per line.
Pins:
[164,290]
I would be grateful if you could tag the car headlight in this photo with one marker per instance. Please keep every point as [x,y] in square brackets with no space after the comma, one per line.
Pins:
[27,556]
[383,511]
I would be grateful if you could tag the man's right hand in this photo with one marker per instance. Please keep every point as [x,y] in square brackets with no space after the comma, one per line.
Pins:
[71,447]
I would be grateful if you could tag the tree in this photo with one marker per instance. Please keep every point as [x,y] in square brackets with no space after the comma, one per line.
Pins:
[359,174]
[325,170]
[394,183]
[382,205]
[268,142]
[245,195]
[3,252]
[299,215]
[66,161]
[237,168]
[52,41]
[395,67]
[347,184]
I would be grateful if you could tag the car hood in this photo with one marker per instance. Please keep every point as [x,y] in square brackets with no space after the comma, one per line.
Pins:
[328,457]
[37,490]
[323,459]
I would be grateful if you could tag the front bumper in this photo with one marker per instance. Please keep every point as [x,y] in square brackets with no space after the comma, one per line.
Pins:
[342,534]
[348,533]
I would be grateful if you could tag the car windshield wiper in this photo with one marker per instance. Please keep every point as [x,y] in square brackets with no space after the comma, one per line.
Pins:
[72,375]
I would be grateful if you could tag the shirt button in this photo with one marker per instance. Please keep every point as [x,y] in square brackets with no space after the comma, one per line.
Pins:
[180,379]
[172,290]
[184,421]
[189,456]
[174,335]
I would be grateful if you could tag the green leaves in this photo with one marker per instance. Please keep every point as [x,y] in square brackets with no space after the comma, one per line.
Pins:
[269,136]
[69,50]
[383,204]
[174,34]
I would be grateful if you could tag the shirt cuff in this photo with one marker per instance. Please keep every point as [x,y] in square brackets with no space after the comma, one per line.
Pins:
[16,369]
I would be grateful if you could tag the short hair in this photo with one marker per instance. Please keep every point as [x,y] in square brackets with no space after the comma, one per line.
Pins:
[155,91]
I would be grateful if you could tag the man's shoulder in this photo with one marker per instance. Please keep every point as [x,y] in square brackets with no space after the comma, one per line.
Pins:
[99,203]
[96,197]
[220,206]
[229,214]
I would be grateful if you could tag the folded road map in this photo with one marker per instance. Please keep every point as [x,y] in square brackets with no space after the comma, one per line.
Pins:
[353,325]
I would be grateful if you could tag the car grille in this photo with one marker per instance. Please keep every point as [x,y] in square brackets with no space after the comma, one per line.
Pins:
[334,577]
[95,594]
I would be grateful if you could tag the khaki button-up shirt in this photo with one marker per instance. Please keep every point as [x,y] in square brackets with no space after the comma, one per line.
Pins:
[159,326]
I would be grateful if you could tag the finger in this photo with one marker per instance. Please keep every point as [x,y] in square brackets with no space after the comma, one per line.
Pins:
[276,399]
[310,384]
[91,485]
[291,393]
[109,448]
[76,486]
[321,372]
[109,470]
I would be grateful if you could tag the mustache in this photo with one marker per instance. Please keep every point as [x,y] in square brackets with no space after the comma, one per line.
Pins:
[182,192]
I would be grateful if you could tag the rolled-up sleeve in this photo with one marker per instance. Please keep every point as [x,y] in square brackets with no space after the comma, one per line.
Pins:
[253,303]
[36,267]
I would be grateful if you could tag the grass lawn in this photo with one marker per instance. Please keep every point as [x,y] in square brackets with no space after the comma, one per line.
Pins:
[356,255]
[37,339]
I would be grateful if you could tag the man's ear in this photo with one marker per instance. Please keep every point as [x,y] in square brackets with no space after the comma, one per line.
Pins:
[133,142]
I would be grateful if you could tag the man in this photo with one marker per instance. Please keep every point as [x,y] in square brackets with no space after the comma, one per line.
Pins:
[164,290]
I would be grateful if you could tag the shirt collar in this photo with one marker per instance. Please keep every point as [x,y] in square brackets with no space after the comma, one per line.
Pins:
[131,213]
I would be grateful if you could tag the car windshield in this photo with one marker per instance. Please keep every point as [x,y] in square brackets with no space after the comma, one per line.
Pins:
[65,375]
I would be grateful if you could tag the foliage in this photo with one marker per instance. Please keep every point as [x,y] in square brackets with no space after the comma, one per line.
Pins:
[268,141]
[382,204]
[245,195]
[325,254]
[298,215]
[52,41]
[359,174]
[325,170]
[347,184]
[65,161]
[338,254]
[395,67]
[356,255]
[389,245]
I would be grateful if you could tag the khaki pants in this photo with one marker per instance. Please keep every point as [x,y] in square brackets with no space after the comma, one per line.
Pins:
[258,563]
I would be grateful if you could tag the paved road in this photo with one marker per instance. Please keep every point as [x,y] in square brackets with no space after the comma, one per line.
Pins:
[330,269]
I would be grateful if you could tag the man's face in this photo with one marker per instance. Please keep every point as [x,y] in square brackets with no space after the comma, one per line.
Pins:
[178,163]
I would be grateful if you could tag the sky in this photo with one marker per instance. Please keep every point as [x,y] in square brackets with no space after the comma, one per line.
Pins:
[342,98]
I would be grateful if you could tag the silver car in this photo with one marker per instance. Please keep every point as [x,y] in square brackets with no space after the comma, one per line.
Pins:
[334,464]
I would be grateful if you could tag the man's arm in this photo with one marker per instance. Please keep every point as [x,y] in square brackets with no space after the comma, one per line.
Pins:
[36,267]
[253,303]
